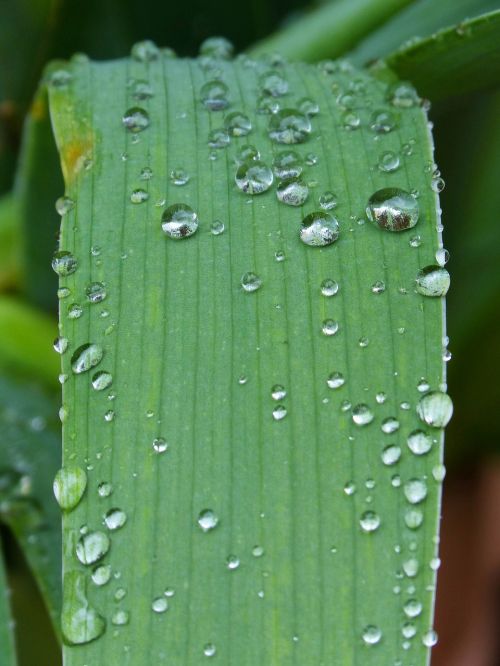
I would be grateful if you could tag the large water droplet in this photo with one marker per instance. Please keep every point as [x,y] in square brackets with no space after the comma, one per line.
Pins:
[208,520]
[214,95]
[80,623]
[433,281]
[369,521]
[254,177]
[289,126]
[64,263]
[69,486]
[415,491]
[292,191]
[362,415]
[86,357]
[92,547]
[419,442]
[371,635]
[135,119]
[393,209]
[319,228]
[179,221]
[435,409]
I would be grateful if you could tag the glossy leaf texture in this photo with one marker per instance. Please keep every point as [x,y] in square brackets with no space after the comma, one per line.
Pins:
[222,495]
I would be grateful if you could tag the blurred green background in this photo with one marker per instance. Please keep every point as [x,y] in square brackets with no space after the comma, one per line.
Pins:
[467,137]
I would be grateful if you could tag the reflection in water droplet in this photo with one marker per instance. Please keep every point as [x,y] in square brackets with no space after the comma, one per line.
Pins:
[115,518]
[69,486]
[435,409]
[101,380]
[393,209]
[86,357]
[433,281]
[135,119]
[319,229]
[179,221]
[92,546]
[292,191]
[254,177]
[95,292]
[64,263]
[160,445]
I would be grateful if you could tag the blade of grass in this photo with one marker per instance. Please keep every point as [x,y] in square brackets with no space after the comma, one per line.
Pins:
[8,650]
[455,61]
[329,30]
[10,243]
[29,458]
[193,359]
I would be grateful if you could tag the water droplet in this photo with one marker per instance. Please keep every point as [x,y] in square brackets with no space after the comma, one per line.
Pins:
[101,574]
[237,124]
[388,162]
[287,164]
[207,520]
[273,84]
[319,229]
[95,292]
[232,562]
[279,412]
[179,221]
[64,205]
[393,209]
[267,105]
[412,608]
[292,191]
[250,282]
[109,416]
[141,90]
[415,491]
[254,177]
[408,630]
[278,392]
[351,120]
[437,184]
[209,650]
[328,200]
[60,345]
[214,95]
[279,255]
[75,311]
[403,95]
[92,547]
[442,256]
[411,567]
[308,106]
[217,47]
[115,518]
[139,196]
[382,122]
[419,442]
[64,263]
[391,454]
[80,623]
[430,638]
[160,605]
[104,489]
[69,486]
[435,409]
[371,635]
[86,357]
[329,327]
[60,78]
[329,287]
[247,153]
[438,473]
[378,287]
[135,119]
[433,281]
[101,380]
[145,51]
[369,521]
[289,126]
[350,488]
[217,228]
[390,425]
[257,551]
[218,138]
[120,618]
[413,518]
[335,380]
[160,445]
[146,173]
[362,415]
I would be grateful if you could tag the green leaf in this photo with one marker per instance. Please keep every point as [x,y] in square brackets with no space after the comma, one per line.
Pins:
[455,61]
[188,436]
[29,458]
[8,651]
[329,30]
[420,19]
[10,243]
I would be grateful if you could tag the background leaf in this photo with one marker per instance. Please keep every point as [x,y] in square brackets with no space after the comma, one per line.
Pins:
[7,654]
[193,360]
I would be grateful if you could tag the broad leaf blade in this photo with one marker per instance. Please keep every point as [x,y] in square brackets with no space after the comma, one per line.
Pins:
[8,651]
[455,61]
[194,358]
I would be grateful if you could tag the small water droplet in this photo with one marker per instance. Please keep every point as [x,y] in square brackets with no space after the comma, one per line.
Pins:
[64,263]
[328,200]
[437,184]
[393,209]
[391,454]
[254,177]
[207,520]
[139,196]
[69,486]
[274,84]
[159,604]
[287,164]
[382,122]
[86,357]
[60,345]
[278,392]
[329,327]
[179,221]
[95,292]
[371,635]
[135,119]
[411,567]
[120,618]
[413,518]
[160,445]
[218,138]
[412,608]
[279,255]
[250,282]
[415,491]
[335,380]
[209,650]
[329,287]
[64,205]
[92,547]
[308,106]
[232,562]
[388,161]
[433,281]
[214,95]
[319,229]
[390,425]
[101,380]
[289,126]
[279,412]
[104,489]
[435,409]
[369,521]
[419,442]
[402,94]
[362,415]
[101,574]
[430,638]
[145,51]
[238,124]
[292,191]
[115,518]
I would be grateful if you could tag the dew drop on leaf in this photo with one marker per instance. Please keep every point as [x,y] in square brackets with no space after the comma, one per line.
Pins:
[369,521]
[319,229]
[393,209]
[64,263]
[86,357]
[362,415]
[237,124]
[371,635]
[419,442]
[250,282]
[289,126]
[115,518]
[179,221]
[292,191]
[101,380]
[159,605]
[135,119]
[92,547]
[287,164]
[214,95]
[415,491]
[69,486]
[254,177]
[435,409]
[207,520]
[80,622]
[433,281]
